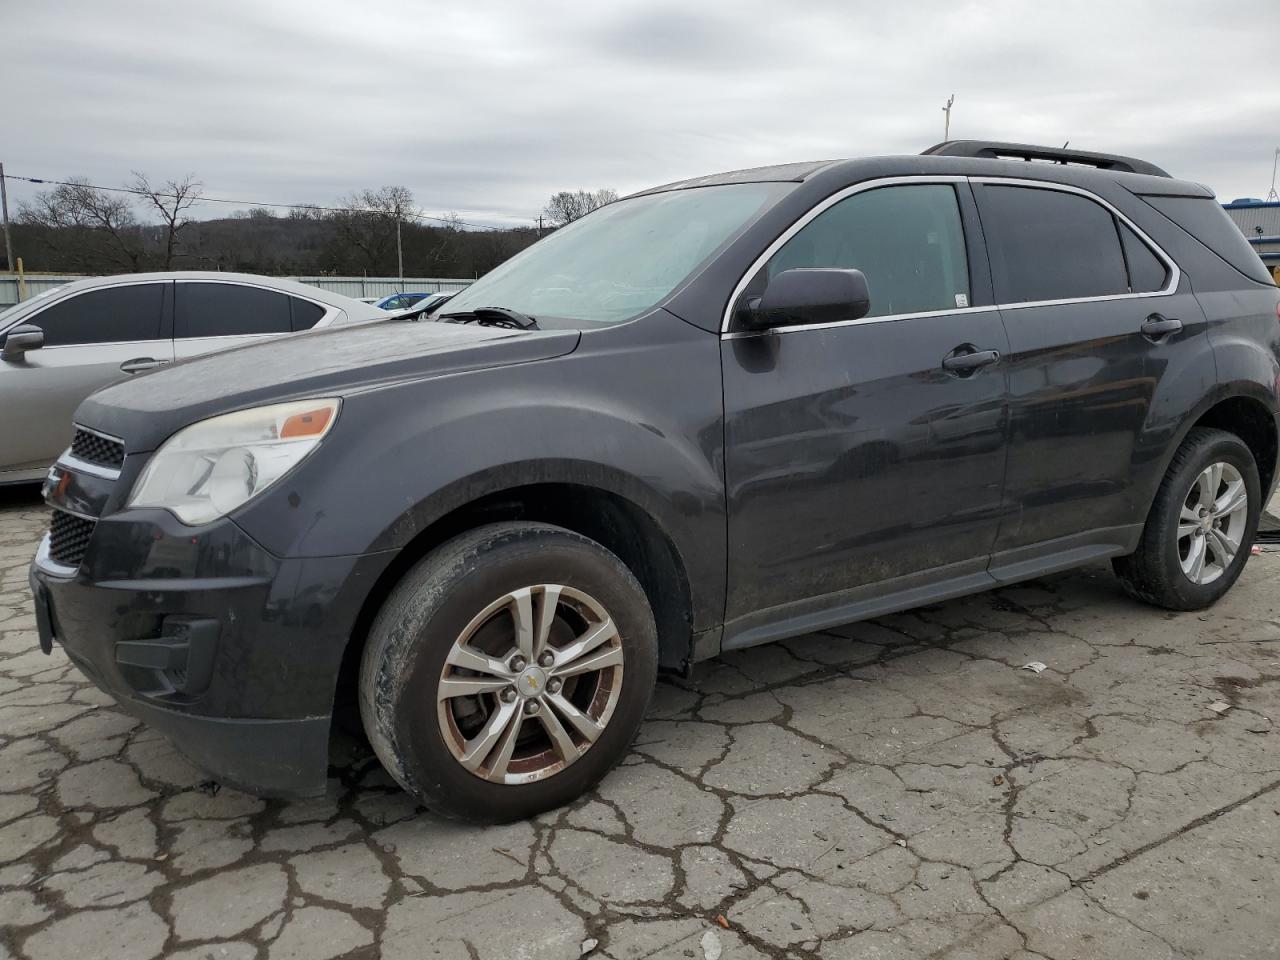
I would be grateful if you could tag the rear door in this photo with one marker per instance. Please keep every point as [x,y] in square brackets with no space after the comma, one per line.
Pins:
[214,315]
[1095,315]
[90,339]
[853,457]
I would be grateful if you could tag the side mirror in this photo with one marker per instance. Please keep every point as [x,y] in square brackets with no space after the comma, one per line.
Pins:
[21,339]
[809,295]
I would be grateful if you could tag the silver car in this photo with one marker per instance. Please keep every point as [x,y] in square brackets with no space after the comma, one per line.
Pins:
[57,348]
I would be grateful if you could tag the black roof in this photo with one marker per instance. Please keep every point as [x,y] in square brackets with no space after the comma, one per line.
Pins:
[964,158]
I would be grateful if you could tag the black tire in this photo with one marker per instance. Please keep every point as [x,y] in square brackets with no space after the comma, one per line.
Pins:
[1153,573]
[430,608]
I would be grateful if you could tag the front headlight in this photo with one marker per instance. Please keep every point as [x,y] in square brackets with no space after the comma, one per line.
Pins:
[206,470]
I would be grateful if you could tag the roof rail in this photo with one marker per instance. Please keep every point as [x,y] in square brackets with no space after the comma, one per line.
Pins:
[1024,151]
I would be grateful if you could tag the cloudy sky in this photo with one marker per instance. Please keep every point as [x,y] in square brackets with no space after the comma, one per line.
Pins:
[486,108]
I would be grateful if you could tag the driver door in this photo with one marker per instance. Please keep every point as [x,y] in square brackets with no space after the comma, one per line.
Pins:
[858,468]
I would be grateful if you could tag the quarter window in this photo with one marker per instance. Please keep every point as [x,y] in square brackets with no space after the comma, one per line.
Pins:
[115,315]
[305,314]
[229,309]
[1050,245]
[1147,272]
[907,240]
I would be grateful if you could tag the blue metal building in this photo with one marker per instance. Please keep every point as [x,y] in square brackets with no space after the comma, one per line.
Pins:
[1259,221]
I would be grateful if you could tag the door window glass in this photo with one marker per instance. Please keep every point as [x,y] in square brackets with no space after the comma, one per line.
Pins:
[114,315]
[1050,245]
[1147,272]
[229,309]
[305,313]
[907,240]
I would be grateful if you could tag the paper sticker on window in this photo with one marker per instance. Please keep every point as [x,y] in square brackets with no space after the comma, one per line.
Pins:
[962,300]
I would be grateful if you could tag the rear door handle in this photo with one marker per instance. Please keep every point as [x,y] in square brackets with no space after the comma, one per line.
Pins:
[968,362]
[1157,326]
[139,364]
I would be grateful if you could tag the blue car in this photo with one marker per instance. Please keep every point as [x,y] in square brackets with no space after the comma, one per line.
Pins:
[402,301]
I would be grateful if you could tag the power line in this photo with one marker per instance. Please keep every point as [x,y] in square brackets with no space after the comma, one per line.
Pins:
[249,203]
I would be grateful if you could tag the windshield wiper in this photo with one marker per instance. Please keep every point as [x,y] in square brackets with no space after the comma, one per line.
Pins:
[493,317]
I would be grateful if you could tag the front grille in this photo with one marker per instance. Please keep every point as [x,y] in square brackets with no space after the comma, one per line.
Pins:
[92,448]
[68,537]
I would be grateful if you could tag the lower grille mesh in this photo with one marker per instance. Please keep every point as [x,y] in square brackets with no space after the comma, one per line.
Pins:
[68,537]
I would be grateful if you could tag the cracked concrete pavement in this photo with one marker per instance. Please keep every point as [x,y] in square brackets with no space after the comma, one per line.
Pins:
[893,789]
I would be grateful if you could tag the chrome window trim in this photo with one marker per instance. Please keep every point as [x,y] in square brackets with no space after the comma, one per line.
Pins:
[332,311]
[50,566]
[1170,287]
[887,318]
[329,309]
[164,341]
[114,284]
[234,336]
[1171,283]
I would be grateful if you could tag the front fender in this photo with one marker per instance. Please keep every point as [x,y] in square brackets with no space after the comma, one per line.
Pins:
[636,413]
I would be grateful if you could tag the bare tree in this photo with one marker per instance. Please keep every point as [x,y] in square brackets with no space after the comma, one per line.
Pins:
[171,201]
[369,221]
[89,227]
[568,205]
[444,235]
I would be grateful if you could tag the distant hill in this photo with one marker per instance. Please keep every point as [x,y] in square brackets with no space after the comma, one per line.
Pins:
[300,243]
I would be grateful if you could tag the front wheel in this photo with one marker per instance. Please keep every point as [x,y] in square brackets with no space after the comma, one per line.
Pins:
[1201,526]
[508,671]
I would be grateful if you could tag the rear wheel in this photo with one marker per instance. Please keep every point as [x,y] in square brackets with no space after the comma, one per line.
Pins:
[1201,526]
[508,671]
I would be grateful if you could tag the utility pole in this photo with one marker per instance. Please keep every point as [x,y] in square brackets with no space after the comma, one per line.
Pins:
[946,128]
[8,238]
[540,222]
[399,252]
[1271,197]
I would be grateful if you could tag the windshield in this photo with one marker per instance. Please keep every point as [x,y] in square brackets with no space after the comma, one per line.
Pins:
[620,260]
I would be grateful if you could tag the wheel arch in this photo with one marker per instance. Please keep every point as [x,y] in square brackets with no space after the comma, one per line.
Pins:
[1248,418]
[614,520]
[1244,409]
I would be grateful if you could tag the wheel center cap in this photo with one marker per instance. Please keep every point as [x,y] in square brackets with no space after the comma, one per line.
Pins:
[1207,523]
[532,682]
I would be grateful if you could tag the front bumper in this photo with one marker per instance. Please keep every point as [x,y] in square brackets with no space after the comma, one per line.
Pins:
[229,651]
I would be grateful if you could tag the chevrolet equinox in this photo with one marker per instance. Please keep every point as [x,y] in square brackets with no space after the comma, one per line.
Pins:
[710,415]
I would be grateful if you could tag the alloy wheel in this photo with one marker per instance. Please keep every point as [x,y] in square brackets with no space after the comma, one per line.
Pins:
[1212,522]
[530,684]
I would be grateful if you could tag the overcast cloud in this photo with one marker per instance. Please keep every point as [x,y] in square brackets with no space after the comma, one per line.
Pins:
[486,108]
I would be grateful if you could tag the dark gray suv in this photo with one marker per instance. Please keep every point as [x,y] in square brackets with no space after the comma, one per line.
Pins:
[711,415]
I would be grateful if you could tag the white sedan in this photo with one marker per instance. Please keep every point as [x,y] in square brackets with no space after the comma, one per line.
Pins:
[57,348]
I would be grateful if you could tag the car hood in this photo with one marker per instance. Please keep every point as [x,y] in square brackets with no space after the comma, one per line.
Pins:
[331,362]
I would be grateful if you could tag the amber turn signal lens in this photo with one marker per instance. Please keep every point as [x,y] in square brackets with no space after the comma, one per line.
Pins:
[309,424]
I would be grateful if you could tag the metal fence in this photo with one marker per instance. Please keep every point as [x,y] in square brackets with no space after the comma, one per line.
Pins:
[348,286]
[381,286]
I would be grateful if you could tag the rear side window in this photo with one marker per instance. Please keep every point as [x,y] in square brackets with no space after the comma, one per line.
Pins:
[115,315]
[907,240]
[305,314]
[1050,245]
[1205,220]
[1147,272]
[229,309]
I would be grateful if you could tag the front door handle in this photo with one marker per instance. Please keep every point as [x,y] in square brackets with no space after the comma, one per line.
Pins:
[968,361]
[1157,326]
[139,364]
